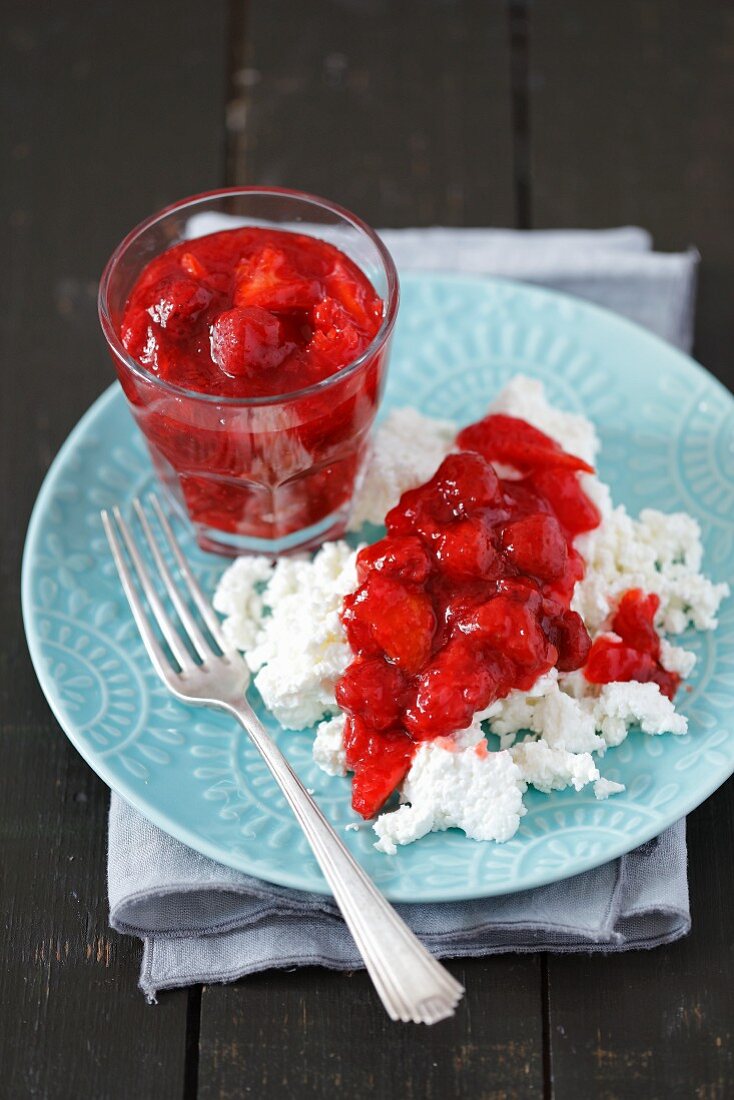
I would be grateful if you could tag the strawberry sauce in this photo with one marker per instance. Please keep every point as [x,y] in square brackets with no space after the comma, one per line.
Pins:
[250,313]
[467,597]
[633,651]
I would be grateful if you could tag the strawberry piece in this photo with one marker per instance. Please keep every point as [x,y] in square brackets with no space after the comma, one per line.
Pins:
[463,485]
[246,342]
[269,281]
[193,266]
[634,621]
[668,682]
[573,509]
[374,690]
[153,347]
[536,545]
[364,308]
[335,340]
[466,483]
[380,762]
[461,680]
[465,549]
[562,588]
[567,631]
[612,661]
[507,439]
[175,302]
[522,499]
[402,519]
[415,512]
[403,557]
[386,616]
[510,625]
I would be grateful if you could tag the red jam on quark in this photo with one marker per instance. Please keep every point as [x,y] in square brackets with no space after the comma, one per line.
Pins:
[468,596]
[632,652]
[260,314]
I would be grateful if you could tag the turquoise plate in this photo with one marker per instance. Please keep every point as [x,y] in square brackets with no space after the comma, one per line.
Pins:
[667,429]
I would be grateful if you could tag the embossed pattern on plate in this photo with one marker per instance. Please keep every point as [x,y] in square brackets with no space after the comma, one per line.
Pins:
[667,429]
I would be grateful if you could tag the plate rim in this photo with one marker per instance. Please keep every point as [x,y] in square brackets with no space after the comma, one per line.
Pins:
[181,832]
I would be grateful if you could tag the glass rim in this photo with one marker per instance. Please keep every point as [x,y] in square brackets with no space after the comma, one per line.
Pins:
[378,340]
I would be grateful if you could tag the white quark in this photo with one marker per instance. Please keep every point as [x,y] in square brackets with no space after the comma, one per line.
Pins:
[299,648]
[604,787]
[239,598]
[675,658]
[620,706]
[407,450]
[563,721]
[549,768]
[658,553]
[451,787]
[570,713]
[328,746]
[286,618]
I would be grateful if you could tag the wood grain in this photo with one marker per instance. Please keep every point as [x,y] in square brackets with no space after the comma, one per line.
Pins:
[112,111]
[630,108]
[311,1034]
[656,1025]
[629,120]
[400,111]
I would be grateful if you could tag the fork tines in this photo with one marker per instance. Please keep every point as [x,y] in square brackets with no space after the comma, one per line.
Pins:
[115,525]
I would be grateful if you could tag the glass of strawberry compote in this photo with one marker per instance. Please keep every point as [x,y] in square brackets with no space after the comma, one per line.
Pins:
[250,331]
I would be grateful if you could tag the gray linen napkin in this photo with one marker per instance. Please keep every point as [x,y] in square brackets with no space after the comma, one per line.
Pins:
[203,922]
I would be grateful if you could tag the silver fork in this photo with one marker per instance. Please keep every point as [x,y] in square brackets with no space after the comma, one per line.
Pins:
[411,984]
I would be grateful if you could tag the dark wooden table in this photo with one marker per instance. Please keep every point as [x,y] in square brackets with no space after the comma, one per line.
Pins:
[411,112]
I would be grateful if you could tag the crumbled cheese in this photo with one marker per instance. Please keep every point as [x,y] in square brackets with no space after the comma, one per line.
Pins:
[675,538]
[239,598]
[604,787]
[328,747]
[570,713]
[621,705]
[548,711]
[301,649]
[525,398]
[478,793]
[657,553]
[674,658]
[408,449]
[553,769]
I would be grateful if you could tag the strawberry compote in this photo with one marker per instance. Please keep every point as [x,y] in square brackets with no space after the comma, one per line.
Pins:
[632,651]
[250,313]
[254,361]
[467,597]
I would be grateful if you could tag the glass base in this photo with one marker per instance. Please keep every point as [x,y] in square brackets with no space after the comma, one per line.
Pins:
[214,541]
[222,542]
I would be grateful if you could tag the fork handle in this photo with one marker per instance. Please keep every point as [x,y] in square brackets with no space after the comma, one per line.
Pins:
[411,984]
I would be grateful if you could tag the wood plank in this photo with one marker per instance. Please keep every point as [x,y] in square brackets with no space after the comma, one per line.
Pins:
[293,1036]
[402,113]
[630,122]
[112,111]
[656,1024]
[629,109]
